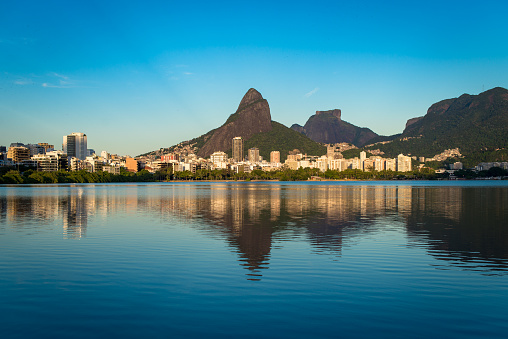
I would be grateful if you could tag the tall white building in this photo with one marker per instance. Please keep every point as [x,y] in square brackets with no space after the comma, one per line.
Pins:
[75,145]
[403,163]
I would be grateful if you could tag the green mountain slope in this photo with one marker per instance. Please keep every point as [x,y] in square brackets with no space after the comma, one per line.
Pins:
[283,139]
[472,123]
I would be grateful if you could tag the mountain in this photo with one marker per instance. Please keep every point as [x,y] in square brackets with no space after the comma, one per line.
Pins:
[251,121]
[328,127]
[251,117]
[472,123]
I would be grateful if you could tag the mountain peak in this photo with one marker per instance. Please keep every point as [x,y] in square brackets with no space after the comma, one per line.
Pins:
[252,117]
[250,97]
[334,112]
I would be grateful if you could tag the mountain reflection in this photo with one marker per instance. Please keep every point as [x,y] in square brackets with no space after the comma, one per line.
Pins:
[465,225]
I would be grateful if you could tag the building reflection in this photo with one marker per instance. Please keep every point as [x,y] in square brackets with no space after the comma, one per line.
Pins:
[453,223]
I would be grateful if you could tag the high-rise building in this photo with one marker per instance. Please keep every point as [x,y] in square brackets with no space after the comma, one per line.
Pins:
[74,145]
[237,149]
[253,154]
[403,163]
[274,156]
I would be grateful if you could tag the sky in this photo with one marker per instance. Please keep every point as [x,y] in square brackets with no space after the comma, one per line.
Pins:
[138,76]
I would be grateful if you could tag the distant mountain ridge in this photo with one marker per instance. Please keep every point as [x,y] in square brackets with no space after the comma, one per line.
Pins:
[476,124]
[472,123]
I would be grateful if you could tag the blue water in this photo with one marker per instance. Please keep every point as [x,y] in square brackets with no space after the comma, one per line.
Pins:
[229,260]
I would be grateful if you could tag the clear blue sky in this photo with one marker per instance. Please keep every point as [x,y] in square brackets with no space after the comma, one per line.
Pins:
[137,76]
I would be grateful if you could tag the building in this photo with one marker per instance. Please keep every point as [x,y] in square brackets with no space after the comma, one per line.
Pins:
[75,145]
[18,153]
[52,161]
[218,157]
[403,163]
[274,156]
[93,164]
[47,147]
[132,164]
[379,164]
[253,154]
[172,157]
[237,148]
[368,165]
[391,165]
[294,155]
[363,155]
[111,169]
[456,166]
[36,149]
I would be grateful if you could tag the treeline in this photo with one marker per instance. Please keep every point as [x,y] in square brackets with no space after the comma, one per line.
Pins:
[30,176]
[14,176]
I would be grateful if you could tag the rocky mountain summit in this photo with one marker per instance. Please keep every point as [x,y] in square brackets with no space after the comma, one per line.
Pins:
[251,117]
[328,127]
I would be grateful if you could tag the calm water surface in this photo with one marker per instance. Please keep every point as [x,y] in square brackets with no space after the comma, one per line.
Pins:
[250,260]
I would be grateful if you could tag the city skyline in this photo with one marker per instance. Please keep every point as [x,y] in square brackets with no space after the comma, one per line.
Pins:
[172,72]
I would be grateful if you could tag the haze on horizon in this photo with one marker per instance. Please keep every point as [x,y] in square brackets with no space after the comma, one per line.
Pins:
[137,76]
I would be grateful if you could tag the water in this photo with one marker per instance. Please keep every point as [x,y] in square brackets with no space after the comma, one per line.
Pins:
[271,260]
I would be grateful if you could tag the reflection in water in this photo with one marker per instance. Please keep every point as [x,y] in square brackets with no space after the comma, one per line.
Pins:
[460,225]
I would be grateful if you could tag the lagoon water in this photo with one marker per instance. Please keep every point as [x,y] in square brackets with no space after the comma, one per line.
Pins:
[255,260]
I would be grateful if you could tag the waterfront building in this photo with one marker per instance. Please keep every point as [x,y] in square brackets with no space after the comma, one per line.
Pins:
[253,154]
[337,164]
[93,164]
[237,148]
[379,164]
[294,155]
[356,163]
[75,164]
[403,163]
[218,157]
[274,156]
[321,163]
[18,153]
[368,164]
[111,169]
[52,161]
[485,166]
[75,145]
[390,165]
[132,164]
